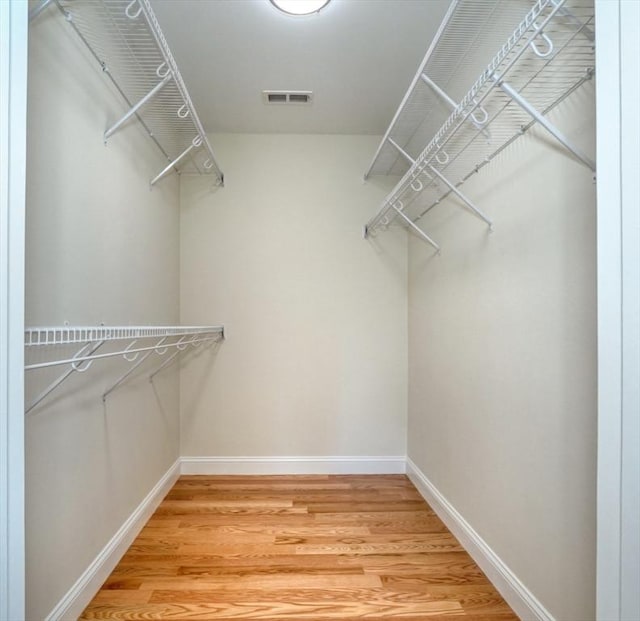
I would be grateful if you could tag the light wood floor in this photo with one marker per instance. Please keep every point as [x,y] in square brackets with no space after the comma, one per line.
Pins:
[304,547]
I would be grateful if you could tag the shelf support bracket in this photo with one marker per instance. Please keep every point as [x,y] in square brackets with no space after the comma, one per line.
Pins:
[552,129]
[152,93]
[165,364]
[64,376]
[400,150]
[431,84]
[461,196]
[453,105]
[132,369]
[36,10]
[415,227]
[584,29]
[178,351]
[195,143]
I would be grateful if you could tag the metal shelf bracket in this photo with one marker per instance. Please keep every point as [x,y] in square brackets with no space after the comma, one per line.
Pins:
[414,227]
[473,119]
[461,196]
[401,151]
[136,107]
[550,127]
[87,350]
[195,143]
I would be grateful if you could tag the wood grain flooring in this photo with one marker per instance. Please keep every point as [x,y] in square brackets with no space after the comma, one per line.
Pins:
[296,548]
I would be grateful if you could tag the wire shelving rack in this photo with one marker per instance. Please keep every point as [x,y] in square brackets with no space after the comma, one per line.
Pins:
[135,344]
[548,55]
[125,38]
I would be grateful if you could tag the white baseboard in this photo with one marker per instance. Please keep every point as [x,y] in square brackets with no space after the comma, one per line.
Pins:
[81,593]
[293,465]
[523,602]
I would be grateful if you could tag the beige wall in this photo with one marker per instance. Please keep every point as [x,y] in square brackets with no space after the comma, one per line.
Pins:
[101,247]
[315,358]
[502,371]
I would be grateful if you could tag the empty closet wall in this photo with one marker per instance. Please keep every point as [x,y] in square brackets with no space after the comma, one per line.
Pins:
[315,360]
[101,247]
[502,372]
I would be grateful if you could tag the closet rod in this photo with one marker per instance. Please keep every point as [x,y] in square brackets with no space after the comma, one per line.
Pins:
[125,352]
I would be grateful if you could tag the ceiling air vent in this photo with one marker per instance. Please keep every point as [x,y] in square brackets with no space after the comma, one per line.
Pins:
[287,97]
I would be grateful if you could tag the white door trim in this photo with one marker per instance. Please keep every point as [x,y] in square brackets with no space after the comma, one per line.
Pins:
[13,109]
[618,535]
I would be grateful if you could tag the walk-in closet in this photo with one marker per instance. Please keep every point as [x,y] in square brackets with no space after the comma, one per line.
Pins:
[328,315]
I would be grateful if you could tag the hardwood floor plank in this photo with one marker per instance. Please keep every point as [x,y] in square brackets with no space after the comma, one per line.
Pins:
[366,516]
[438,542]
[272,583]
[237,549]
[286,530]
[366,506]
[338,596]
[318,547]
[312,562]
[275,610]
[286,568]
[130,597]
[195,536]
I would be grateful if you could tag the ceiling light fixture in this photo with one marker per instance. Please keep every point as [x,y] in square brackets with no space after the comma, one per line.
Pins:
[300,7]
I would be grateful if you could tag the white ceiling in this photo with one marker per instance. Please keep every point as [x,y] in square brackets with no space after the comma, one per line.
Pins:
[357,56]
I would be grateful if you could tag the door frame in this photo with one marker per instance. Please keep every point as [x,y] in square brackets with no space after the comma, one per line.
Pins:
[618,139]
[13,111]
[618,329]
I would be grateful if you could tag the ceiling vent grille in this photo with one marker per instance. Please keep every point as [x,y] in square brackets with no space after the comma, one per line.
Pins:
[287,97]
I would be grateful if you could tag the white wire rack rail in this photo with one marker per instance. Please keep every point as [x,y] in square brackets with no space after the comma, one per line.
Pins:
[548,55]
[141,342]
[125,38]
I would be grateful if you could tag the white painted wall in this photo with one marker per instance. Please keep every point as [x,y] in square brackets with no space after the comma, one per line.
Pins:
[315,358]
[502,361]
[101,247]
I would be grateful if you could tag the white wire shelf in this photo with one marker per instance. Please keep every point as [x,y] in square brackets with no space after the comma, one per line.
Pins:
[460,50]
[155,339]
[70,335]
[517,88]
[125,38]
